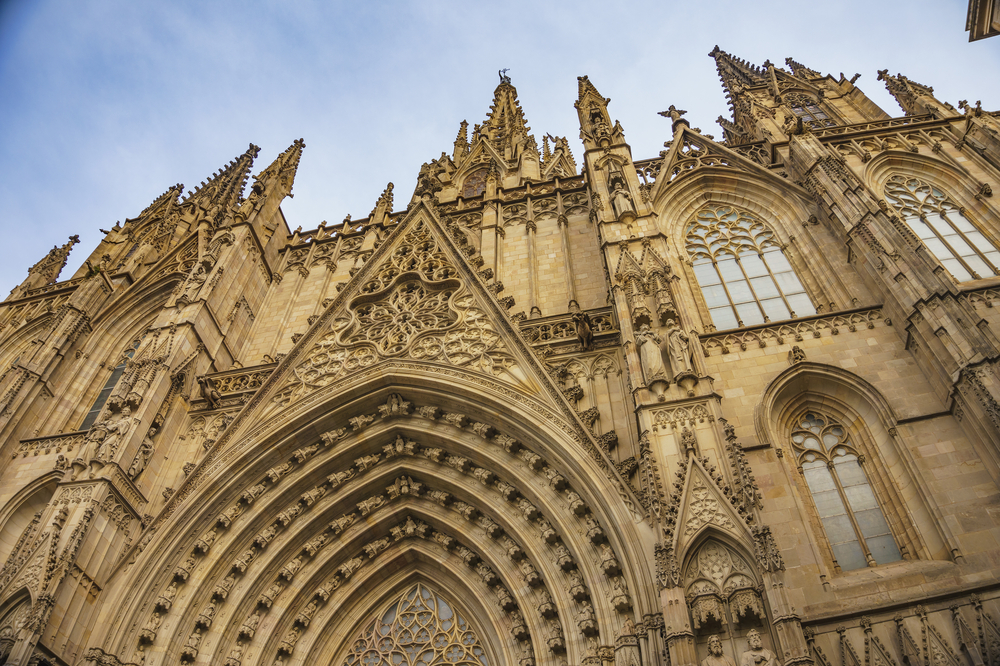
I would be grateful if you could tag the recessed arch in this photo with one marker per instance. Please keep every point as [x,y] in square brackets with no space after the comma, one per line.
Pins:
[889,465]
[544,472]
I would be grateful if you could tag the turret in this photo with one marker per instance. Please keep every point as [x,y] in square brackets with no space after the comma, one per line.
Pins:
[772,103]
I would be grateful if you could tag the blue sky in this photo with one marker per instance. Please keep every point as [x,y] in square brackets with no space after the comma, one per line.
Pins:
[105,104]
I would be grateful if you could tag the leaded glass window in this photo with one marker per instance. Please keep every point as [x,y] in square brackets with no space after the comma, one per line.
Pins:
[852,518]
[421,628]
[811,113]
[474,184]
[944,230]
[743,274]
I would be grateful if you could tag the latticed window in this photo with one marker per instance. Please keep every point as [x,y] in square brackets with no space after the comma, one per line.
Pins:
[474,184]
[944,230]
[854,522]
[418,629]
[808,110]
[743,274]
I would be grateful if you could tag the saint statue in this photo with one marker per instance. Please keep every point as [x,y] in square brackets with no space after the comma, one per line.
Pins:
[677,346]
[621,200]
[757,655]
[716,657]
[649,354]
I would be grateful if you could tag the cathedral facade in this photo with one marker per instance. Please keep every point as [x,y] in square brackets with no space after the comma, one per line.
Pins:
[737,403]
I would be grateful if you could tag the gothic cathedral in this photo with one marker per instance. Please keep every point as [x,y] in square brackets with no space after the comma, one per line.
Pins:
[737,403]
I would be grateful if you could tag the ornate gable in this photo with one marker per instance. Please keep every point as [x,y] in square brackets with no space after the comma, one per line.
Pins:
[691,151]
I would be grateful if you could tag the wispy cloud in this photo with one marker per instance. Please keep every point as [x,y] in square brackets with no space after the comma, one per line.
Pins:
[106,104]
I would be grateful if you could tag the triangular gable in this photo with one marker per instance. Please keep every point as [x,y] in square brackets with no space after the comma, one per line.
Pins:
[560,167]
[703,506]
[453,319]
[690,151]
[627,264]
[481,154]
[651,261]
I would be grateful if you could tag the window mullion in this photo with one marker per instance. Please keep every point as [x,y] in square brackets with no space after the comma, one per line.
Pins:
[729,296]
[954,254]
[752,290]
[968,242]
[778,286]
[850,514]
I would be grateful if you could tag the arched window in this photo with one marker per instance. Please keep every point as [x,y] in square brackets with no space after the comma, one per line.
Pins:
[743,274]
[806,108]
[943,229]
[418,629]
[109,386]
[475,184]
[832,467]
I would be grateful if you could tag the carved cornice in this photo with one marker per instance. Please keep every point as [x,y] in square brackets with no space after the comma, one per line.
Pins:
[792,330]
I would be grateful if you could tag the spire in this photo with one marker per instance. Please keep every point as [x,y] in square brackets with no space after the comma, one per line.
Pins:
[461,141]
[47,270]
[800,70]
[737,77]
[383,206]
[736,73]
[596,128]
[505,127]
[282,170]
[225,188]
[906,91]
[585,88]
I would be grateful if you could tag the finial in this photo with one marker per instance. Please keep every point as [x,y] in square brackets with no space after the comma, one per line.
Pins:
[503,75]
[675,116]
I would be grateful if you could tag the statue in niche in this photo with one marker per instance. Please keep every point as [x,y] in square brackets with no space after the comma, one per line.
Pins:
[195,282]
[716,657]
[116,430]
[621,200]
[757,655]
[679,349]
[649,354]
[141,457]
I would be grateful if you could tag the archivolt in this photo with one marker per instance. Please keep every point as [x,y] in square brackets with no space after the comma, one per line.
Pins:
[479,501]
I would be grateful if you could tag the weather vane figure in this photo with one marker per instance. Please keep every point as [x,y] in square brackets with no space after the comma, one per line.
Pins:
[503,75]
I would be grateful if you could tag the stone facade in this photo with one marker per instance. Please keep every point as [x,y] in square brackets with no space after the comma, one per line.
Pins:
[546,413]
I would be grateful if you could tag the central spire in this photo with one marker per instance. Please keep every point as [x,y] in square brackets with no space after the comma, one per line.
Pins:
[505,127]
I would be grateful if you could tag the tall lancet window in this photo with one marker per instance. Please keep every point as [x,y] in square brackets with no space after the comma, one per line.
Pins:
[806,108]
[743,274]
[832,467]
[418,629]
[944,230]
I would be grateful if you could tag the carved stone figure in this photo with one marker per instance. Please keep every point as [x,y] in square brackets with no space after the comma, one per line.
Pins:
[677,345]
[716,657]
[757,655]
[194,283]
[796,355]
[209,392]
[141,459]
[649,354]
[584,331]
[621,201]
